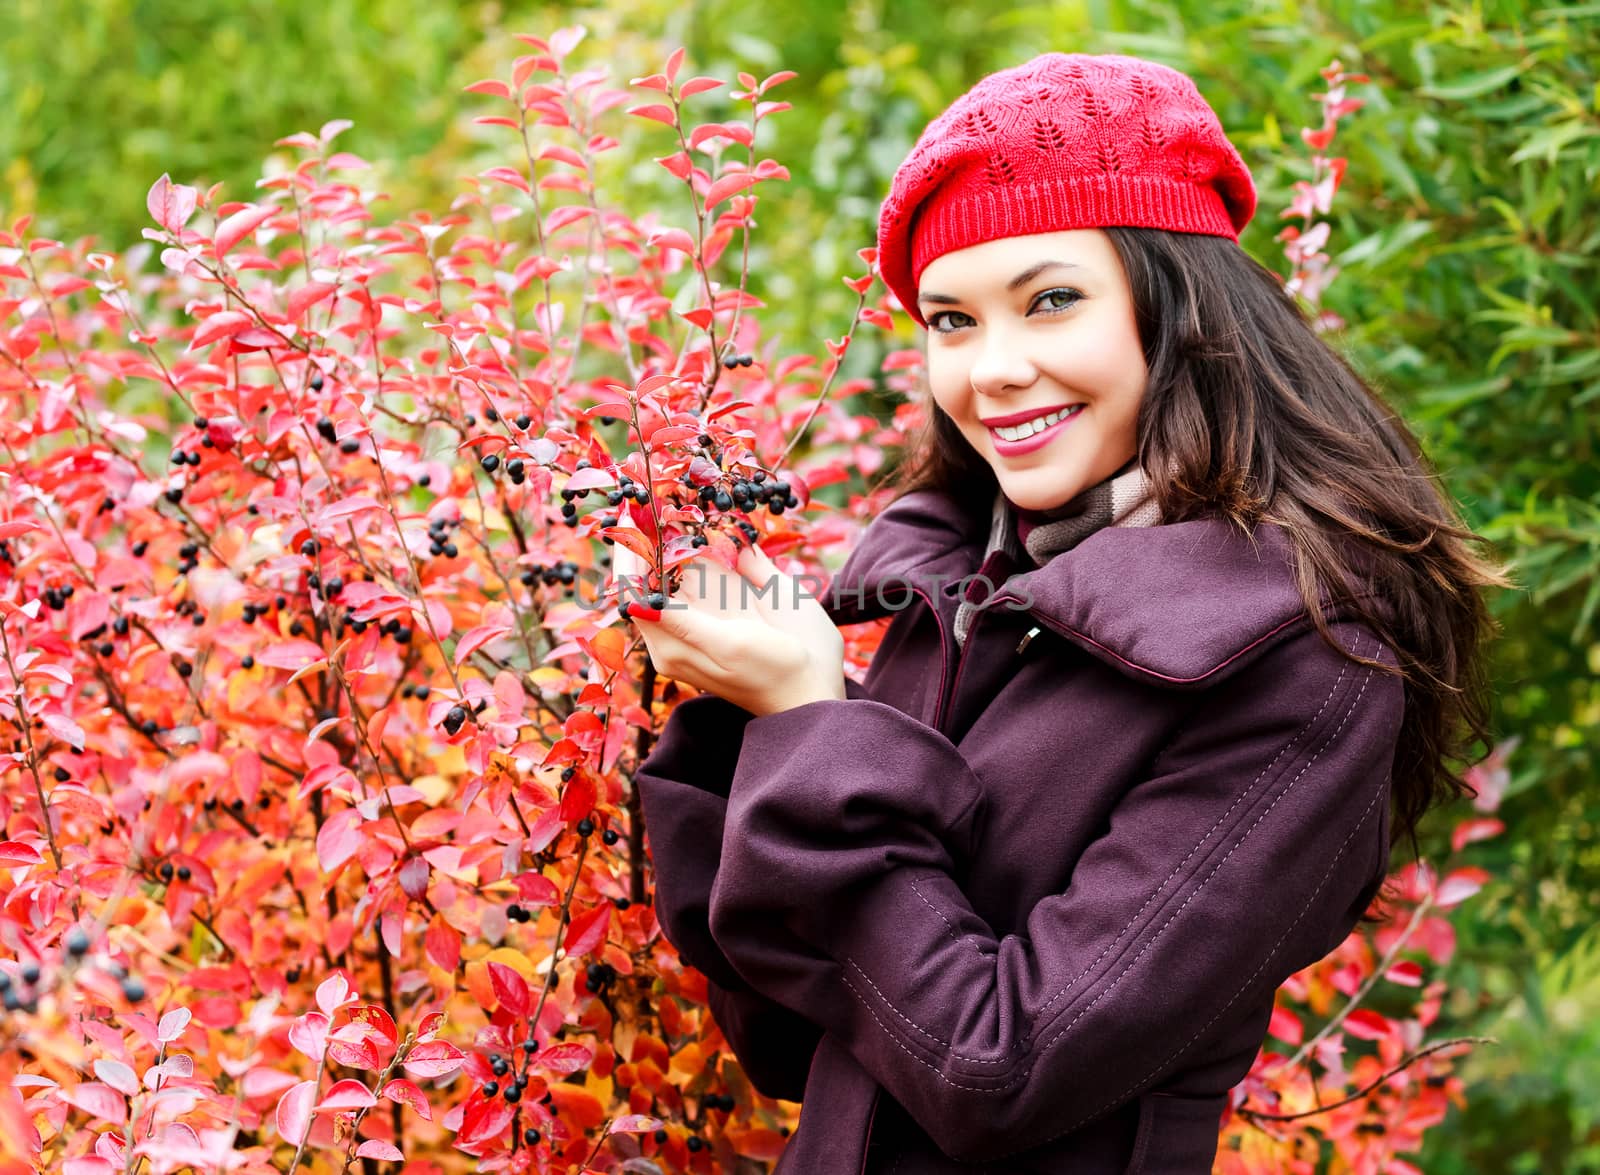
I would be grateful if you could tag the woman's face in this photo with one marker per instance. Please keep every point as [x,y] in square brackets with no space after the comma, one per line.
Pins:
[1023,327]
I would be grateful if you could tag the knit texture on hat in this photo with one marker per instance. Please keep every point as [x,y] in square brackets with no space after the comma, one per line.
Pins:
[1126,498]
[1065,141]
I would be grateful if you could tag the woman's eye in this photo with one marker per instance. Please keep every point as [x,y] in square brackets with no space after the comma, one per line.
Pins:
[1058,299]
[935,319]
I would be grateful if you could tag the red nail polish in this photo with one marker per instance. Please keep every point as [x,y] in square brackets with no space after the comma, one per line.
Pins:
[635,612]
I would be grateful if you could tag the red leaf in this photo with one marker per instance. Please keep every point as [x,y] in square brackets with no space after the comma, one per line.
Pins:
[242,223]
[490,86]
[414,878]
[679,165]
[673,238]
[309,1034]
[484,1119]
[475,638]
[339,839]
[356,1054]
[442,944]
[588,931]
[294,654]
[402,1091]
[173,1023]
[727,186]
[376,1148]
[98,1101]
[634,1124]
[222,325]
[620,409]
[535,889]
[1406,973]
[670,433]
[674,62]
[171,205]
[589,479]
[565,215]
[509,988]
[577,799]
[699,86]
[257,340]
[1474,830]
[348,1094]
[1365,1024]
[345,508]
[565,1058]
[656,114]
[1286,1026]
[14,852]
[308,296]
[434,1058]
[1460,885]
[294,1111]
[561,154]
[509,176]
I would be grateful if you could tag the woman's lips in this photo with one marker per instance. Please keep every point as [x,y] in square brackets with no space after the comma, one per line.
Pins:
[1038,440]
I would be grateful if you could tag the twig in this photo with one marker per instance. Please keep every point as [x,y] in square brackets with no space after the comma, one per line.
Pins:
[1361,1093]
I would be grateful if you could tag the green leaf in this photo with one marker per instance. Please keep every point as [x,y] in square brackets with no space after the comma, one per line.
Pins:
[1472,84]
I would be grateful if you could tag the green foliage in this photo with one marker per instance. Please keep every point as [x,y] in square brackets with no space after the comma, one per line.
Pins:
[1467,231]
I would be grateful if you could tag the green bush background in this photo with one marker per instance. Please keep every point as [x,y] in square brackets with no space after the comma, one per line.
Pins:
[1467,231]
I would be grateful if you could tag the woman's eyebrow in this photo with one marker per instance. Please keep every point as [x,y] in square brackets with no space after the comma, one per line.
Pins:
[1022,279]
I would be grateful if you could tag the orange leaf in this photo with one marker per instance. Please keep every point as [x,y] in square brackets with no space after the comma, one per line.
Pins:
[577,1105]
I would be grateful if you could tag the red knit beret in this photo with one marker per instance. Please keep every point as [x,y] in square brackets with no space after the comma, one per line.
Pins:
[1065,141]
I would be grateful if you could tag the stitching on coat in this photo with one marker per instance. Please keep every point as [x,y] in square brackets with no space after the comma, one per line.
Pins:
[1016,1044]
[948,924]
[1176,869]
[1360,824]
[888,1003]
[1196,893]
[901,1045]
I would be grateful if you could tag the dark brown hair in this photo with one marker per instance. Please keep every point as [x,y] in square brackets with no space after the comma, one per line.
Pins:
[1260,420]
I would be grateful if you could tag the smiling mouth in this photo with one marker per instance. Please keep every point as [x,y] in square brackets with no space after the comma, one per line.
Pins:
[1038,424]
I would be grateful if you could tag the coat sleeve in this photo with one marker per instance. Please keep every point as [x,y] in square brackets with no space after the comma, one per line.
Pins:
[683,788]
[1243,856]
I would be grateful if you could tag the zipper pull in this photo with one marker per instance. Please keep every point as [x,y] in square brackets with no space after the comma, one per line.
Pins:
[1032,632]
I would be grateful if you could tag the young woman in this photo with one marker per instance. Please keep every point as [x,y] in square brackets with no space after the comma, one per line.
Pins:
[1184,635]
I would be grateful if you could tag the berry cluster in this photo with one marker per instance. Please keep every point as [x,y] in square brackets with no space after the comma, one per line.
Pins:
[75,945]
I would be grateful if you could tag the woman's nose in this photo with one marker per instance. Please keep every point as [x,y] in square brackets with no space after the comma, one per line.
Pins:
[1001,364]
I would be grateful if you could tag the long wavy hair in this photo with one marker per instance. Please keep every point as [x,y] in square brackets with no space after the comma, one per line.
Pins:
[1250,415]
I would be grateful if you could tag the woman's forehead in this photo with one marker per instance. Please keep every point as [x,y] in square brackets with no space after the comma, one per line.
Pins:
[1006,262]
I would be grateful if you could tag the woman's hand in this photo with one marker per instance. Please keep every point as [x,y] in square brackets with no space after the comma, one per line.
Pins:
[765,651]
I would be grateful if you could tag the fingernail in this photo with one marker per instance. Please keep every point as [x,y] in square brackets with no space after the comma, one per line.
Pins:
[635,612]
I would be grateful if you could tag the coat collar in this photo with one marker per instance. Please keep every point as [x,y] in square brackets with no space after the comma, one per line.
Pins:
[1181,605]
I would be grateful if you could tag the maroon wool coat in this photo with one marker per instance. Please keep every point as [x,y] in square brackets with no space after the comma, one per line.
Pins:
[1025,909]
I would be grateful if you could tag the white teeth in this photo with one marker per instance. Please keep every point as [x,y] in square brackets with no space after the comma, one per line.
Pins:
[1027,430]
